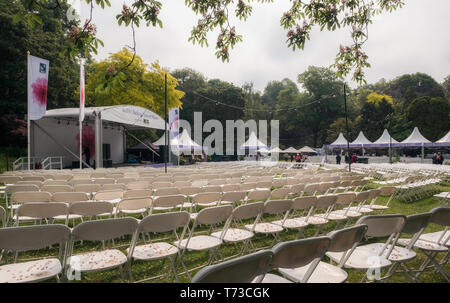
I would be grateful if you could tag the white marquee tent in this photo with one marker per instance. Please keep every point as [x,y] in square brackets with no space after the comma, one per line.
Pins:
[415,139]
[361,140]
[384,140]
[444,141]
[253,143]
[306,149]
[339,142]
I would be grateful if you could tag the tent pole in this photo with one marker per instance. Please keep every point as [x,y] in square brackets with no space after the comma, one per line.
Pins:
[81,143]
[346,126]
[98,140]
[28,109]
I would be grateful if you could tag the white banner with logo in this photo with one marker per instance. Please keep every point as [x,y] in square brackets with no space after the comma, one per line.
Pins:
[37,87]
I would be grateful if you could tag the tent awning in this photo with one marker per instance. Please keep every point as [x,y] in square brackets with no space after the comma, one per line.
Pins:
[134,117]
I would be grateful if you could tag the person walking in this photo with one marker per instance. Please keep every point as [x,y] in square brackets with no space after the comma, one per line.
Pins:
[338,159]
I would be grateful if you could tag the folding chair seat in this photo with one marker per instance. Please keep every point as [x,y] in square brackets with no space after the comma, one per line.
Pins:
[30,238]
[212,217]
[374,255]
[158,223]
[244,269]
[109,196]
[168,202]
[258,195]
[233,231]
[280,193]
[278,208]
[233,197]
[133,206]
[100,230]
[297,254]
[344,240]
[296,218]
[37,211]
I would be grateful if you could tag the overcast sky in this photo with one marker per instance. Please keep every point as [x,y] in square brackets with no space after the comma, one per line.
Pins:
[409,40]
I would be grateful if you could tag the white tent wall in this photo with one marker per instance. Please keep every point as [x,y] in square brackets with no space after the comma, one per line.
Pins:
[66,135]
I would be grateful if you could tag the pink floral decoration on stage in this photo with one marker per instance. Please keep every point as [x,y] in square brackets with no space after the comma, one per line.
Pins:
[40,90]
[88,139]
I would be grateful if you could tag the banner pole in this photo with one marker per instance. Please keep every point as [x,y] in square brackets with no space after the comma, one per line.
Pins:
[28,110]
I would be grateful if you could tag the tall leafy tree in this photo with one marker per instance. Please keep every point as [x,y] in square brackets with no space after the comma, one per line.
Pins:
[375,115]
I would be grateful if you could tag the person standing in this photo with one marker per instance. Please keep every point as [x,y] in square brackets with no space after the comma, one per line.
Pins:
[439,158]
[338,159]
[87,153]
[347,157]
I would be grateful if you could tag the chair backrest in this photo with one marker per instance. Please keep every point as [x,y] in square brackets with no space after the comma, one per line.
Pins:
[346,238]
[108,195]
[2,216]
[87,188]
[92,208]
[383,225]
[248,211]
[80,181]
[297,188]
[103,181]
[10,179]
[156,185]
[230,187]
[211,188]
[189,190]
[362,196]
[441,216]
[325,201]
[37,183]
[169,201]
[125,180]
[166,191]
[299,253]
[302,203]
[345,198]
[414,223]
[33,178]
[213,215]
[280,193]
[42,210]
[10,189]
[258,195]
[279,182]
[27,196]
[233,196]
[138,185]
[99,230]
[206,197]
[247,186]
[159,223]
[263,184]
[217,182]
[69,197]
[275,207]
[57,188]
[62,177]
[374,193]
[34,237]
[387,190]
[134,204]
[117,186]
[135,193]
[240,270]
[180,183]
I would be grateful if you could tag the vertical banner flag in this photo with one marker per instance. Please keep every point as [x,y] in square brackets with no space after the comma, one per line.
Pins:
[37,87]
[174,115]
[81,90]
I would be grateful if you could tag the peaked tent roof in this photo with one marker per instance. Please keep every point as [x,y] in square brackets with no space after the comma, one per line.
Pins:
[263,150]
[253,142]
[275,150]
[162,141]
[385,139]
[361,140]
[415,139]
[340,141]
[444,141]
[290,150]
[306,149]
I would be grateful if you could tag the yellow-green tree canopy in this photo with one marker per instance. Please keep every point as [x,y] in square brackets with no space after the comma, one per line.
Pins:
[137,83]
[377,98]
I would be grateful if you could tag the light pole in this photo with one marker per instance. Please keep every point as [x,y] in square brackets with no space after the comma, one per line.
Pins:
[166,139]
[346,126]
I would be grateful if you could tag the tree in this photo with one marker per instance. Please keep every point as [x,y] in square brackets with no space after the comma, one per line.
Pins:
[430,115]
[299,21]
[406,88]
[254,108]
[375,115]
[142,85]
[324,103]
[446,86]
[339,126]
[46,40]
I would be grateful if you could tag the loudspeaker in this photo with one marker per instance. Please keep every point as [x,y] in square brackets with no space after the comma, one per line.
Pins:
[106,151]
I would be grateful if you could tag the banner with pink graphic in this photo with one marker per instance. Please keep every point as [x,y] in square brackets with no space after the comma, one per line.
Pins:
[38,84]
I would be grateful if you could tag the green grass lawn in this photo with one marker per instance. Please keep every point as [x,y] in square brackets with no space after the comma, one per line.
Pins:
[142,270]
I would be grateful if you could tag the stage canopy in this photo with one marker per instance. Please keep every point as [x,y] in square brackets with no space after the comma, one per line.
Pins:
[56,134]
[253,143]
